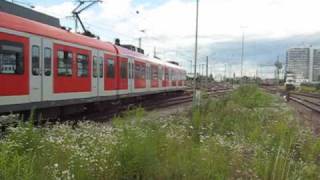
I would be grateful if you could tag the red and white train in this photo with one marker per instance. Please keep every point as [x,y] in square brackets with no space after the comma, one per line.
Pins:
[42,66]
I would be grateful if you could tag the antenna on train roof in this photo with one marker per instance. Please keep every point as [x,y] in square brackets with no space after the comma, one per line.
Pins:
[83,5]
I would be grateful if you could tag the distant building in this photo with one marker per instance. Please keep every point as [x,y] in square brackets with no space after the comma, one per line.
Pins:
[298,60]
[303,64]
[316,65]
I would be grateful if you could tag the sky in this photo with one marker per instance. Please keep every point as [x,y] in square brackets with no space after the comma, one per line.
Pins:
[269,28]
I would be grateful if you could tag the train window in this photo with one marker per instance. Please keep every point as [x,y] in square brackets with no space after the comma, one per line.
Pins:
[147,72]
[95,70]
[143,71]
[83,65]
[124,70]
[129,70]
[160,72]
[101,67]
[110,71]
[35,60]
[166,74]
[171,75]
[47,61]
[11,58]
[64,63]
[154,72]
[140,71]
[137,71]
[133,66]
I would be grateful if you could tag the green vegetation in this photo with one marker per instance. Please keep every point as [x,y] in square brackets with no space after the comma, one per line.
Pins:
[247,135]
[310,88]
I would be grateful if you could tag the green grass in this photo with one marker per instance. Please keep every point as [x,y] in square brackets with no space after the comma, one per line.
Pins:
[246,135]
[309,89]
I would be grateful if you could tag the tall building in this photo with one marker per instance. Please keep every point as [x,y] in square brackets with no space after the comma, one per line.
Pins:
[298,62]
[303,64]
[316,65]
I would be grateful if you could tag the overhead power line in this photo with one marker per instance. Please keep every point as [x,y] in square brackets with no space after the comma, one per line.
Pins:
[82,6]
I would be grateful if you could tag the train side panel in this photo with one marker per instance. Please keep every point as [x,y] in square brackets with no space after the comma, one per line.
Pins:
[14,65]
[123,70]
[140,68]
[154,76]
[14,68]
[72,69]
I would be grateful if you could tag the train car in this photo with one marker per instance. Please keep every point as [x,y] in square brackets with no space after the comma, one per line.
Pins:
[45,67]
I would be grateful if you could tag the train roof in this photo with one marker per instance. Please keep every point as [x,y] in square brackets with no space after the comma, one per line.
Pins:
[13,22]
[127,52]
[17,23]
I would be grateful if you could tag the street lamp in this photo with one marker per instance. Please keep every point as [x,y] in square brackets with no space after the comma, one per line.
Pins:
[196,51]
[140,38]
[242,50]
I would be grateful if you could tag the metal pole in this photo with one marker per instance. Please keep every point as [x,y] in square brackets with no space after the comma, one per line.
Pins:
[200,75]
[207,70]
[225,71]
[196,52]
[203,75]
[242,53]
[76,25]
[202,70]
[140,39]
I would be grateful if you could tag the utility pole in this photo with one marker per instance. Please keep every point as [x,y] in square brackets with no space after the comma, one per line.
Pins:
[207,68]
[225,71]
[242,53]
[196,51]
[140,39]
[203,69]
[155,52]
[76,26]
[202,74]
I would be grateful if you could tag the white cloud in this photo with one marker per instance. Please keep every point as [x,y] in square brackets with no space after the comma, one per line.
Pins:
[171,25]
[57,10]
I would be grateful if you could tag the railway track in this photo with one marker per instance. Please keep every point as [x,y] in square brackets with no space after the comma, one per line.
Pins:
[310,101]
[271,89]
[307,105]
[307,100]
[118,108]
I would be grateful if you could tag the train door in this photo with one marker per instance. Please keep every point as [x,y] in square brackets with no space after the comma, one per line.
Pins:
[170,78]
[160,72]
[46,70]
[148,76]
[111,74]
[101,73]
[97,73]
[131,75]
[35,69]
[94,74]
[123,77]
